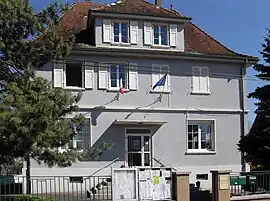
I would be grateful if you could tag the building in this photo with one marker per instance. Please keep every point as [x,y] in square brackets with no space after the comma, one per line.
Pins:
[192,123]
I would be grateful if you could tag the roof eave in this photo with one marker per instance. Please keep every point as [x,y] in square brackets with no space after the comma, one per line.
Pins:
[155,17]
[244,59]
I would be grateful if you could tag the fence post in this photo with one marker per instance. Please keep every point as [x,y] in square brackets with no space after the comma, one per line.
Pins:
[220,185]
[181,186]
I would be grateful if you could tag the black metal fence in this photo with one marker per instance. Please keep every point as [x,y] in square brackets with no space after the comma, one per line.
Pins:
[248,183]
[61,188]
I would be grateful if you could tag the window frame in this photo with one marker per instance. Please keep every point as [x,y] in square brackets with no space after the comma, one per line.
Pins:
[120,22]
[160,38]
[202,92]
[66,146]
[142,151]
[117,88]
[199,122]
[166,89]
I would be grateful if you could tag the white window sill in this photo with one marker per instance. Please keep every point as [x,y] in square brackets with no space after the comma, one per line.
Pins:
[200,93]
[120,44]
[200,152]
[166,91]
[161,46]
[116,90]
[74,88]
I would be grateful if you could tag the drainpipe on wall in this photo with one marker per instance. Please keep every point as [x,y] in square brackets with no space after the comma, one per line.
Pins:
[242,105]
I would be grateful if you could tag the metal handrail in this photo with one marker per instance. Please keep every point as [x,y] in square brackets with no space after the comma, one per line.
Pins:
[109,164]
[159,161]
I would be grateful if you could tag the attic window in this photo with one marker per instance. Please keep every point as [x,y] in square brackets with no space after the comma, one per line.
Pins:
[160,35]
[120,32]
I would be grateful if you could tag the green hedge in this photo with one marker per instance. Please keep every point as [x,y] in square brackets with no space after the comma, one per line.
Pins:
[24,198]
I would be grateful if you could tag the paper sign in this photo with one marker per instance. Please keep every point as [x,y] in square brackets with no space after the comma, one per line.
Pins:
[224,182]
[155,179]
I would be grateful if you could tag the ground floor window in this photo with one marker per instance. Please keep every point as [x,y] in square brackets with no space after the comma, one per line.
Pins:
[138,147]
[201,136]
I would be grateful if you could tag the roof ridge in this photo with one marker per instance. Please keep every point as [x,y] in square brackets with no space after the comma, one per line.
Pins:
[165,9]
[211,37]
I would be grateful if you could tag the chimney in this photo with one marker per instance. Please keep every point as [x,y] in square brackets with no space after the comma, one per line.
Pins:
[158,3]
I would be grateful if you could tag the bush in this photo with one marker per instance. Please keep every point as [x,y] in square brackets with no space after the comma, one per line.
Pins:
[24,198]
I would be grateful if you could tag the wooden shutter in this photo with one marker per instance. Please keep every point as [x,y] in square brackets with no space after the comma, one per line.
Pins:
[156,75]
[166,69]
[147,33]
[89,75]
[134,32]
[204,80]
[133,77]
[173,35]
[196,79]
[103,76]
[58,74]
[107,31]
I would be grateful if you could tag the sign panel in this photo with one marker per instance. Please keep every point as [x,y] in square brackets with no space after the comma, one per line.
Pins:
[224,183]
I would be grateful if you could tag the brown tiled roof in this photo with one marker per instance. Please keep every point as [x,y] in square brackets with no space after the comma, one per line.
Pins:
[137,6]
[196,40]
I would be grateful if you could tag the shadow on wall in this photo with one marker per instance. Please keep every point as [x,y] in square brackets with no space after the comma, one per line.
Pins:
[115,135]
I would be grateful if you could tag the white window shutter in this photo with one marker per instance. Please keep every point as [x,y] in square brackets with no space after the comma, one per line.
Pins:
[133,77]
[103,76]
[58,74]
[204,80]
[134,32]
[173,35]
[88,75]
[196,79]
[107,31]
[156,75]
[147,33]
[166,69]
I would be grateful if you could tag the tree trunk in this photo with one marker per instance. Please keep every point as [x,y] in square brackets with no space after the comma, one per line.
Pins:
[28,178]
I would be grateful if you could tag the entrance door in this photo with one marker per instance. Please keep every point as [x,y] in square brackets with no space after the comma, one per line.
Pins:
[138,147]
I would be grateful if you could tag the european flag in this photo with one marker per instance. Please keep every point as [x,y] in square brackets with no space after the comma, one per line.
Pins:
[161,82]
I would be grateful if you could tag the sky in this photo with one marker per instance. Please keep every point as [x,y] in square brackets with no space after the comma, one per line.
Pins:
[238,24]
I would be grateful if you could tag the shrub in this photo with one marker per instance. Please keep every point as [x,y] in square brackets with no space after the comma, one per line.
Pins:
[24,198]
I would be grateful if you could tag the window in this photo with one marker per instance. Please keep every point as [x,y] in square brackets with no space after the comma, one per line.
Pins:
[158,71]
[202,176]
[81,140]
[160,35]
[201,136]
[118,76]
[138,147]
[74,75]
[200,80]
[120,32]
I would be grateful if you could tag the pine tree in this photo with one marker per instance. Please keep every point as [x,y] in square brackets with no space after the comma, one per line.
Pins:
[33,121]
[256,144]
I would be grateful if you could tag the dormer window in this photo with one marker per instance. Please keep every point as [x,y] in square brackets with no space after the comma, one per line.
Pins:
[160,35]
[120,32]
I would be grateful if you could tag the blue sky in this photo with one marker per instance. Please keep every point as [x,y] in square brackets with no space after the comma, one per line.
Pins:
[238,24]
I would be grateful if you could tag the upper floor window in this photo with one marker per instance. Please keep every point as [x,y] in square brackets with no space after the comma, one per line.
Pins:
[158,72]
[73,75]
[200,80]
[201,136]
[118,76]
[120,32]
[160,35]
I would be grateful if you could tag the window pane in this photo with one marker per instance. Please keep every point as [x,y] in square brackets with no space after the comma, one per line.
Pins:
[156,35]
[134,159]
[74,74]
[164,40]
[124,32]
[134,143]
[113,75]
[193,136]
[116,31]
[147,159]
[122,76]
[146,143]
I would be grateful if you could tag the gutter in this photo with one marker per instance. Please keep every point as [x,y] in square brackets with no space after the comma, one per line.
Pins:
[91,50]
